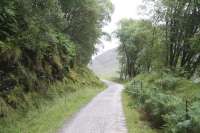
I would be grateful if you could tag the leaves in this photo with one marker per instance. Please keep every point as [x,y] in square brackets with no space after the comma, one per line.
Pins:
[42,40]
[136,48]
[165,109]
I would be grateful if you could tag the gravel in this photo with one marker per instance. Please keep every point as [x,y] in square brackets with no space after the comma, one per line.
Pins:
[104,114]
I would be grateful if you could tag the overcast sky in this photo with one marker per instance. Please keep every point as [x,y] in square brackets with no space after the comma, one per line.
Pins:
[123,9]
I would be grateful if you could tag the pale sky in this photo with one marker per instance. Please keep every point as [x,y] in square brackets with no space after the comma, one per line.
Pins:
[123,9]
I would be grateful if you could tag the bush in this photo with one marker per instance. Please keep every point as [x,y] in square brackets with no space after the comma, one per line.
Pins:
[159,105]
[167,82]
[166,111]
[155,103]
[180,122]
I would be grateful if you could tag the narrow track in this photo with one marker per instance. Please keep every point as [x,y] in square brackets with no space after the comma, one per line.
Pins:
[104,114]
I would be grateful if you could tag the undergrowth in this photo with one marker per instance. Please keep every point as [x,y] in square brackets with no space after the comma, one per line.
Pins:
[135,120]
[44,113]
[171,103]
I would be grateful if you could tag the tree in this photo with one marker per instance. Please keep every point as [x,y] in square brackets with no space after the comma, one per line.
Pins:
[182,21]
[136,46]
[41,40]
[85,21]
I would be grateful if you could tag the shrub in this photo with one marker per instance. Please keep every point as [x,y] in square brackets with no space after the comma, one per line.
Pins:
[180,122]
[167,111]
[167,82]
[158,105]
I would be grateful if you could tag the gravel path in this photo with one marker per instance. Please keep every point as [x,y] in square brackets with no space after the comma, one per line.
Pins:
[104,114]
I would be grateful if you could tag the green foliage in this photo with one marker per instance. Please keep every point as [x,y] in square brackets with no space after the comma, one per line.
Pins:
[183,52]
[166,107]
[134,117]
[47,113]
[167,82]
[7,20]
[168,40]
[41,42]
[138,46]
[86,28]
[154,103]
[177,122]
[164,50]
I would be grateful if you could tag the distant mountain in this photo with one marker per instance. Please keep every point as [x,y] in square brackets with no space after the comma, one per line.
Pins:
[106,65]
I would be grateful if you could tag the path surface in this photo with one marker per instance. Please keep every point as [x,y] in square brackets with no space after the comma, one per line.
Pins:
[104,114]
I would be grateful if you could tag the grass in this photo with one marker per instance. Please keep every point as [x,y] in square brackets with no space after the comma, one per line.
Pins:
[65,98]
[156,96]
[118,80]
[50,118]
[110,77]
[182,87]
[133,117]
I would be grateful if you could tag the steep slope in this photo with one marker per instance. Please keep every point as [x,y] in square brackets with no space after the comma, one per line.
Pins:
[106,65]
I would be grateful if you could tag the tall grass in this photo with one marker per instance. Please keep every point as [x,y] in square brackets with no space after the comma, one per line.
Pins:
[135,121]
[50,117]
[62,100]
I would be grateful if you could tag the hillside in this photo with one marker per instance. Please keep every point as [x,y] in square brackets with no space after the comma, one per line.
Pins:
[44,52]
[106,65]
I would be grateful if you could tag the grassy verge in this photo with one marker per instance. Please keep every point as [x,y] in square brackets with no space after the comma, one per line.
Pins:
[52,116]
[133,117]
[69,97]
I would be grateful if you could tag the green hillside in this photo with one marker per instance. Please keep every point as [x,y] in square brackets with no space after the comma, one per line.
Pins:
[44,52]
